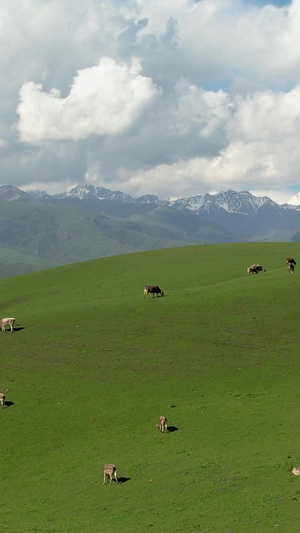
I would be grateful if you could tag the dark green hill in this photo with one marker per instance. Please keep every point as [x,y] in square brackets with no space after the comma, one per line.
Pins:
[185,223]
[35,236]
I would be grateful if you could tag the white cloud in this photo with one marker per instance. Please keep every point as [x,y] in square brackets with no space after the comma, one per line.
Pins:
[219,39]
[212,102]
[275,195]
[242,143]
[104,100]
[52,187]
[295,199]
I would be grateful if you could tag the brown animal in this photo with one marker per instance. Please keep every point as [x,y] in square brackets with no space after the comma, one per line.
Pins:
[162,424]
[290,260]
[296,471]
[2,397]
[7,322]
[109,471]
[152,289]
[251,270]
[290,268]
[254,269]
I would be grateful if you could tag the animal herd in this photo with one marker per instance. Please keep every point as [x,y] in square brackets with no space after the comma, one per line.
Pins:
[109,469]
[255,269]
[252,269]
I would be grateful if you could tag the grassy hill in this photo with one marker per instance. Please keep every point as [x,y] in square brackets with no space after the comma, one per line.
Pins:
[202,231]
[34,236]
[15,260]
[93,365]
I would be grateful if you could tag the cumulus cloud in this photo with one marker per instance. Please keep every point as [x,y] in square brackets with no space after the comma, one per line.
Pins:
[211,102]
[223,39]
[261,137]
[294,200]
[103,100]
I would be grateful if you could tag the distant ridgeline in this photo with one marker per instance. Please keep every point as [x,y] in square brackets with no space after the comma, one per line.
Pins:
[39,230]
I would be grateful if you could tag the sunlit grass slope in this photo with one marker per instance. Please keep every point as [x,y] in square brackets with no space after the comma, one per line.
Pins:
[95,365]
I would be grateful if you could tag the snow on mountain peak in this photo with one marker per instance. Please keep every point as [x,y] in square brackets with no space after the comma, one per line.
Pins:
[231,201]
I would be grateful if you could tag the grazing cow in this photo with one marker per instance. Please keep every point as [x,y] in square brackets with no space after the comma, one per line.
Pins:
[259,268]
[162,424]
[109,471]
[290,264]
[7,322]
[152,289]
[2,397]
[254,269]
[296,471]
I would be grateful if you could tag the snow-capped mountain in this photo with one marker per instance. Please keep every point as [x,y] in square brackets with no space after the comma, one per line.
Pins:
[247,216]
[229,201]
[90,192]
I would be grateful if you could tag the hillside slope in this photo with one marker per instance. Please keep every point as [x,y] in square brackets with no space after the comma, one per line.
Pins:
[197,228]
[40,236]
[92,365]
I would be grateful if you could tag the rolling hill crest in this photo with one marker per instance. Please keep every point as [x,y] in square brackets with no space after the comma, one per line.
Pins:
[39,230]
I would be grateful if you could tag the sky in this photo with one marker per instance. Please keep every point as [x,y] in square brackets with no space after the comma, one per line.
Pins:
[173,98]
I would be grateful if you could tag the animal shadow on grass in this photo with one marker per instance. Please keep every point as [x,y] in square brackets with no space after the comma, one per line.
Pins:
[8,404]
[171,429]
[19,328]
[123,479]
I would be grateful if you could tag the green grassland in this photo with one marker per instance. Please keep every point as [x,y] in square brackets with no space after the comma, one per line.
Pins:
[93,365]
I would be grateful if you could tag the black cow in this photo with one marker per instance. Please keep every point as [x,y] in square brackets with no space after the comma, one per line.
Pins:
[291,267]
[290,260]
[152,289]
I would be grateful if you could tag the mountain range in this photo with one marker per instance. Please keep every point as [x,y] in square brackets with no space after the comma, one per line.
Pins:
[39,230]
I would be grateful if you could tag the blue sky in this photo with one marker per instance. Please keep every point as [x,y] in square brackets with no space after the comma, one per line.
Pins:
[277,3]
[169,98]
